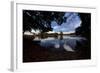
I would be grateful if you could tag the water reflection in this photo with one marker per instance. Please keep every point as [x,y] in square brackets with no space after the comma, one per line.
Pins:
[67,43]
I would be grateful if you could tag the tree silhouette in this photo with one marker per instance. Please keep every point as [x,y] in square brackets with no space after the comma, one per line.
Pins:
[41,20]
[85,28]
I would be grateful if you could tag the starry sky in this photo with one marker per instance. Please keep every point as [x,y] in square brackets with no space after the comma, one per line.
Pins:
[71,23]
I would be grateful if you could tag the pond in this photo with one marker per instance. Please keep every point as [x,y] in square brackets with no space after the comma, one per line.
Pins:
[68,43]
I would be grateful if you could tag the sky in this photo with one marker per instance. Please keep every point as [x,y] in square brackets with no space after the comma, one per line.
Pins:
[72,22]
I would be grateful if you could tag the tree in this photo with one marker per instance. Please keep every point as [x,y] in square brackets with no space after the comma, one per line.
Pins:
[40,20]
[85,28]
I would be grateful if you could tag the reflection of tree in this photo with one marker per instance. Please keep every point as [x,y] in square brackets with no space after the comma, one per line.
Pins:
[61,35]
[83,48]
[40,20]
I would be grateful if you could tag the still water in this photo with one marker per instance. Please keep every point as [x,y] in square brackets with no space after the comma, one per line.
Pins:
[68,43]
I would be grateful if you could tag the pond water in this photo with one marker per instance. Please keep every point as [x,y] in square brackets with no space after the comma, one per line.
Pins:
[68,43]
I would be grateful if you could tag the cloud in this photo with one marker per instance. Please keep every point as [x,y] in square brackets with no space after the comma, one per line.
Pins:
[72,22]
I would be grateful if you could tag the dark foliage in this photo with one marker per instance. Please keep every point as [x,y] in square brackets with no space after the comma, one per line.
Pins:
[85,28]
[40,20]
[85,31]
